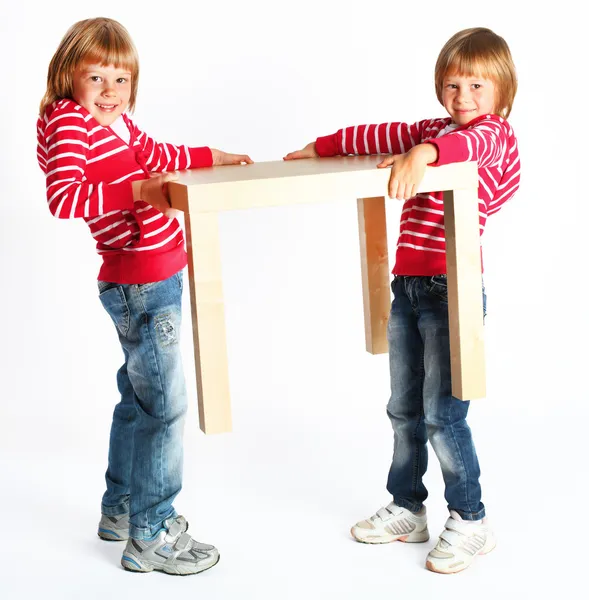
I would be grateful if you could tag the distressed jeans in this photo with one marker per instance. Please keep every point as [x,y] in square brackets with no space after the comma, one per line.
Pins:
[421,406]
[145,455]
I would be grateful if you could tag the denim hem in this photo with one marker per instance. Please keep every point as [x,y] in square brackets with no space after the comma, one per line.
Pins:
[115,511]
[412,506]
[147,533]
[466,516]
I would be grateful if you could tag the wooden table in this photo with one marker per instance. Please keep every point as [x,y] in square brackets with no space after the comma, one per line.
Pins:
[203,193]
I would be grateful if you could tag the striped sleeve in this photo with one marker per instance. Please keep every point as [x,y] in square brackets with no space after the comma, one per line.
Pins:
[486,142]
[62,152]
[162,157]
[385,138]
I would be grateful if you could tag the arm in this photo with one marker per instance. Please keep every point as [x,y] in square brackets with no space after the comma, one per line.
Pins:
[63,155]
[162,157]
[485,140]
[386,138]
[408,169]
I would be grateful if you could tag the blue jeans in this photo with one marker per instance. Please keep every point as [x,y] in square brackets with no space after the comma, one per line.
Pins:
[421,406]
[145,455]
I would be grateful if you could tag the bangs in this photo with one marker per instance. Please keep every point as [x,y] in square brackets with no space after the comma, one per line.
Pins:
[110,49]
[471,65]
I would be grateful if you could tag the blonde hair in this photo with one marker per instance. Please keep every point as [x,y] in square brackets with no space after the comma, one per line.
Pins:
[479,52]
[99,41]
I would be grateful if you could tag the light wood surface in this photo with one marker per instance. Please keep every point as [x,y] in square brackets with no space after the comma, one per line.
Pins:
[208,322]
[376,274]
[203,193]
[465,295]
[301,181]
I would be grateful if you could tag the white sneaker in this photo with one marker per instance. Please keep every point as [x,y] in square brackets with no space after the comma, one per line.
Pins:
[459,543]
[392,523]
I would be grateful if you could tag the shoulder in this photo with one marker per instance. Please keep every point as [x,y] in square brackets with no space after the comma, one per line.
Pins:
[64,113]
[492,123]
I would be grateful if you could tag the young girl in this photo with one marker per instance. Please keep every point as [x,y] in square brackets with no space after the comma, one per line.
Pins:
[99,166]
[476,83]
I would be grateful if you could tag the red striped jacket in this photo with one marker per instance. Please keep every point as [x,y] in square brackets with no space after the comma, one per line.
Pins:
[89,170]
[489,139]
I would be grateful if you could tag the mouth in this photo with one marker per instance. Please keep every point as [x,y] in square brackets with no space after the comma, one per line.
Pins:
[108,108]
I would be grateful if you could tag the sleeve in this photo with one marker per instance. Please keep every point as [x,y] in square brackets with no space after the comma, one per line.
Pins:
[161,157]
[486,141]
[385,138]
[62,152]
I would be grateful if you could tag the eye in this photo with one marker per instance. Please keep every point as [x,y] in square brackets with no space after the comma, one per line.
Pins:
[122,80]
[95,78]
[476,86]
[452,86]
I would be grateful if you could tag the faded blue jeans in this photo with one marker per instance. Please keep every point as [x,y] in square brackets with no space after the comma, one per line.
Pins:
[421,406]
[145,455]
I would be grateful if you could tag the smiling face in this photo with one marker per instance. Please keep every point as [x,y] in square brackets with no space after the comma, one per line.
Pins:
[104,91]
[466,98]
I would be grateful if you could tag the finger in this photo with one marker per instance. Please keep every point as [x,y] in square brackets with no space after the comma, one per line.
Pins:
[393,186]
[399,191]
[386,162]
[247,160]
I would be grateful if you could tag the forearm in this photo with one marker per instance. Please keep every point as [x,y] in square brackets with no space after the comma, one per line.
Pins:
[426,153]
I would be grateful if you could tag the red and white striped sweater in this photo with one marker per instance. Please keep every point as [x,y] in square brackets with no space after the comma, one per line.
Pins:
[89,170]
[489,139]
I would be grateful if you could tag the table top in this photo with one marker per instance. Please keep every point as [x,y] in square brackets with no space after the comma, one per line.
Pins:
[305,180]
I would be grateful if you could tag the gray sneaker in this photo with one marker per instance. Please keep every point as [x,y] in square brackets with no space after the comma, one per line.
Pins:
[114,529]
[172,550]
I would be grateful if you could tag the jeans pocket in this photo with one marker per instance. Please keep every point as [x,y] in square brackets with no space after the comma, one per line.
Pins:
[437,286]
[114,302]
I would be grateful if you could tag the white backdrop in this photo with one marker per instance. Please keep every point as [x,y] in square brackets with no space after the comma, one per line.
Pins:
[311,442]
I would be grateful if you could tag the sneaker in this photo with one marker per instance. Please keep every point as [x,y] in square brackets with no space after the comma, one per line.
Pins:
[171,550]
[392,523]
[459,543]
[114,529]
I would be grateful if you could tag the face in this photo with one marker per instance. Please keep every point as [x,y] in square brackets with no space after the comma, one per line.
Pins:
[104,91]
[466,98]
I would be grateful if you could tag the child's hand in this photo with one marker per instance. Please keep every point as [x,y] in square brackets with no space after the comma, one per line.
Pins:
[408,170]
[309,151]
[154,191]
[225,158]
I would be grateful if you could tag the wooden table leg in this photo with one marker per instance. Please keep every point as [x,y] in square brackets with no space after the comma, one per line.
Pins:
[374,259]
[465,300]
[208,321]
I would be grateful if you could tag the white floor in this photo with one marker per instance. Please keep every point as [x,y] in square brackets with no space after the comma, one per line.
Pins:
[279,503]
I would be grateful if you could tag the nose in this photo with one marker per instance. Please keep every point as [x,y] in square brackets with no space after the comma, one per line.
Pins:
[463,95]
[108,90]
